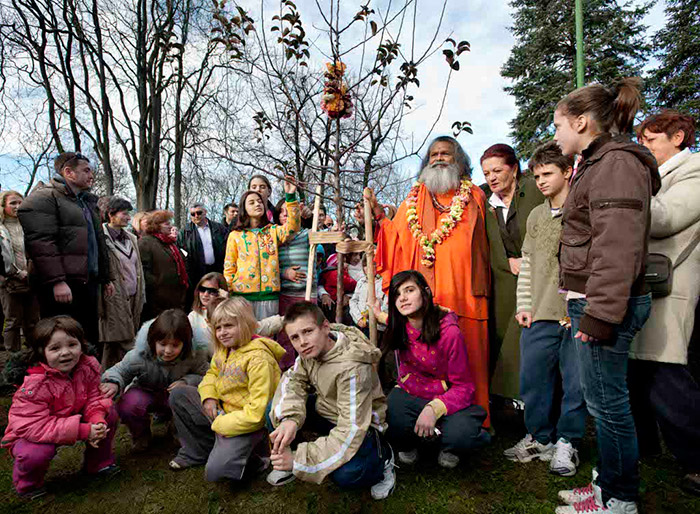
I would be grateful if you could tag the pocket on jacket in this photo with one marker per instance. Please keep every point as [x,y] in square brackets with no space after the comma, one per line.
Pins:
[574,251]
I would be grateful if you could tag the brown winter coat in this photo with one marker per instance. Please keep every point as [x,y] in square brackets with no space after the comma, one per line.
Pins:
[163,287]
[605,230]
[118,321]
[56,235]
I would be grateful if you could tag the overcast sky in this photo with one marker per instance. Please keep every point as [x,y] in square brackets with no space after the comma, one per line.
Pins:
[476,91]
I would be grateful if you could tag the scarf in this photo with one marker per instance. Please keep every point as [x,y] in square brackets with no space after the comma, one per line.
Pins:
[174,251]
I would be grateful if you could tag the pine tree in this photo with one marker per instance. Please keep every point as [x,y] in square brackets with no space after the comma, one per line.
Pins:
[675,84]
[542,62]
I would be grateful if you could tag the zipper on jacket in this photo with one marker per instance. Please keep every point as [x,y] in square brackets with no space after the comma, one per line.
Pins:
[617,203]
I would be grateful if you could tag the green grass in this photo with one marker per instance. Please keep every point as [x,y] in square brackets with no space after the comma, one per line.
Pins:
[483,483]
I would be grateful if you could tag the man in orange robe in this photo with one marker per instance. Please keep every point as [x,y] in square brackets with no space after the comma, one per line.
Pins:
[460,276]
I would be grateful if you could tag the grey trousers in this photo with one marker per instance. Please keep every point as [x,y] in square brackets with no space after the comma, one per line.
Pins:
[21,311]
[265,308]
[225,457]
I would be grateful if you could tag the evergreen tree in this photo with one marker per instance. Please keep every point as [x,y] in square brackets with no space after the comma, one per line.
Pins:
[542,64]
[675,84]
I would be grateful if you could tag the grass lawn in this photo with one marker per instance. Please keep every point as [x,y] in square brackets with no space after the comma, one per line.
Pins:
[483,483]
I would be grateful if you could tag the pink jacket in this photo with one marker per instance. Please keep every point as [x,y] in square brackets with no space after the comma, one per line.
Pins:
[52,407]
[439,372]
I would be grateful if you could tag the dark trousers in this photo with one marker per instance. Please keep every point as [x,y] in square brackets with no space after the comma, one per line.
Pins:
[83,308]
[665,396]
[461,431]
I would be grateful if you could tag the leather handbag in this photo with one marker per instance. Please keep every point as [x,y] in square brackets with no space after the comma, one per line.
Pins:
[659,269]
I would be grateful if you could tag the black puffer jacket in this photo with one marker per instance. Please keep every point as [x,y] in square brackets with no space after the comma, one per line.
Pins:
[56,235]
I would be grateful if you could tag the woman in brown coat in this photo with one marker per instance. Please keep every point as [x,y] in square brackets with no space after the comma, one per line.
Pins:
[163,266]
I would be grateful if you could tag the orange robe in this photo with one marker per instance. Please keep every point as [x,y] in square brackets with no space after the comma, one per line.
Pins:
[460,277]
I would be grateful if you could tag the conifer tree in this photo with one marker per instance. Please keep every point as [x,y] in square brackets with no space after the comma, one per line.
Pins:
[675,84]
[542,61]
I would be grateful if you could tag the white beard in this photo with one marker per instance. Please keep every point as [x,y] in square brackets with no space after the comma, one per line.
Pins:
[441,178]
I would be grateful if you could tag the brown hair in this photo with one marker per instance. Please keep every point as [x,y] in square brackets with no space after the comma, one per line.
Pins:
[237,308]
[503,151]
[670,122]
[47,327]
[155,219]
[68,159]
[215,276]
[3,200]
[171,324]
[301,309]
[136,221]
[243,218]
[550,153]
[613,109]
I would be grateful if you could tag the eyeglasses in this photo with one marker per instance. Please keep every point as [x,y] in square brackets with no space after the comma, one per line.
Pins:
[208,290]
[196,213]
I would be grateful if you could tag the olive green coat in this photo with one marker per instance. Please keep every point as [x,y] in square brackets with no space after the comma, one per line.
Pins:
[504,331]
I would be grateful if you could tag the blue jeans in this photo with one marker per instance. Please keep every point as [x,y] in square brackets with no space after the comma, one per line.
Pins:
[604,383]
[545,348]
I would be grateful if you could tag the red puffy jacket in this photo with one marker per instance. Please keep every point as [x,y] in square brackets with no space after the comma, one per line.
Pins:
[52,407]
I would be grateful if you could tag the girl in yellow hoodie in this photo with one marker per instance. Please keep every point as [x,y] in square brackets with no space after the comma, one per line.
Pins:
[223,423]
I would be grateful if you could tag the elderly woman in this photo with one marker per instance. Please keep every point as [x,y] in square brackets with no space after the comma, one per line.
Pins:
[163,266]
[19,303]
[662,390]
[511,196]
[120,315]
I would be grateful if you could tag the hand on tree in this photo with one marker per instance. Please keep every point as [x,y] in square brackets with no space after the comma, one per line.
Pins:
[377,208]
[524,318]
[283,436]
[62,293]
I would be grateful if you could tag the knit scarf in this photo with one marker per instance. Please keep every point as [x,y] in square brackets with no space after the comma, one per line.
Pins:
[174,251]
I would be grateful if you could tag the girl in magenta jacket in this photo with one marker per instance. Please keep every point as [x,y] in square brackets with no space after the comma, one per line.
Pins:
[434,394]
[59,403]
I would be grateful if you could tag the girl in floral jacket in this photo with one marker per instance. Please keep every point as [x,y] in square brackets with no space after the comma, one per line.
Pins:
[251,267]
[435,391]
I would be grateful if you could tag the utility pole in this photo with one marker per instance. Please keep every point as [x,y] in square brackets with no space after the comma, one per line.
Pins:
[579,43]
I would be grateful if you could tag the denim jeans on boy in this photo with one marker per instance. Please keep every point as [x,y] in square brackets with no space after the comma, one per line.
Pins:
[548,351]
[604,382]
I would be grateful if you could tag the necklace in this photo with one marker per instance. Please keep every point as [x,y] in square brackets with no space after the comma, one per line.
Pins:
[447,224]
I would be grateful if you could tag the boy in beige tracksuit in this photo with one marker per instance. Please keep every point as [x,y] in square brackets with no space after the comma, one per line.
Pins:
[338,363]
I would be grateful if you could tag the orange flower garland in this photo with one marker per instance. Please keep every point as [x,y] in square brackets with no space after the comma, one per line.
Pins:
[426,243]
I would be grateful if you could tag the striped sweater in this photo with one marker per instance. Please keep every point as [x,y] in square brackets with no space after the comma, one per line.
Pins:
[296,253]
[538,281]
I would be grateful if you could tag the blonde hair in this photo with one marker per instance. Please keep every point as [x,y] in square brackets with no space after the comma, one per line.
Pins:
[3,199]
[241,310]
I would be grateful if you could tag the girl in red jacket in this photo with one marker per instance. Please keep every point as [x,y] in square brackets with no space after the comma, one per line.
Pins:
[59,403]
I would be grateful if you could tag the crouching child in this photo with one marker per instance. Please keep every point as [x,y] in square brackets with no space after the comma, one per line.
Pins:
[348,408]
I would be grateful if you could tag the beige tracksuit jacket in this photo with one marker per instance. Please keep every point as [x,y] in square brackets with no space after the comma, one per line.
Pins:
[348,395]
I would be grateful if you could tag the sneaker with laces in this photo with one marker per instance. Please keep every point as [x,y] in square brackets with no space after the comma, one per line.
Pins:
[529,449]
[565,459]
[385,486]
[408,458]
[33,494]
[571,496]
[447,460]
[594,504]
[277,477]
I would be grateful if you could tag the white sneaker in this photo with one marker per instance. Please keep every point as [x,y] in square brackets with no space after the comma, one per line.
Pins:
[565,459]
[594,504]
[277,477]
[447,460]
[408,458]
[385,486]
[578,494]
[529,449]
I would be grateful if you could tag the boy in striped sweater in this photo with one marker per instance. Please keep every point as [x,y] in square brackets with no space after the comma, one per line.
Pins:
[547,350]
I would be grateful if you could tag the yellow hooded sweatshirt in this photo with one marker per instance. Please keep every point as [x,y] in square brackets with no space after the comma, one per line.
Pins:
[243,381]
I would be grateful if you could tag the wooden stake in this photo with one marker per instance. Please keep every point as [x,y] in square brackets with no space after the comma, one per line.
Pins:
[312,248]
[369,255]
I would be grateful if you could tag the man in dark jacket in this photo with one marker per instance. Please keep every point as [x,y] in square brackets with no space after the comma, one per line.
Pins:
[204,242]
[66,245]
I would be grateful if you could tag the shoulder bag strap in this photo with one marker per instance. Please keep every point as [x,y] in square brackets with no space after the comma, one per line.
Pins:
[688,249]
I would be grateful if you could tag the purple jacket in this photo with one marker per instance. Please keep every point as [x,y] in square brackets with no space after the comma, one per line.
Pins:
[439,372]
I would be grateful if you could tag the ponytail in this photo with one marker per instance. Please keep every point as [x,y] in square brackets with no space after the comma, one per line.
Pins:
[613,109]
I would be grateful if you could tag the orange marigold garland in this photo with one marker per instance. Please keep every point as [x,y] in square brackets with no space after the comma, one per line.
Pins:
[336,101]
[447,224]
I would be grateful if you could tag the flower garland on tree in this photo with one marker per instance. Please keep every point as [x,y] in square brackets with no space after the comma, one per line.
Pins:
[447,224]
[336,101]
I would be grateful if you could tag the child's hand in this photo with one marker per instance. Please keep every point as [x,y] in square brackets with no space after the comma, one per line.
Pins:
[362,322]
[294,274]
[109,389]
[524,318]
[211,408]
[425,424]
[284,460]
[326,301]
[290,185]
[98,431]
[177,383]
[283,436]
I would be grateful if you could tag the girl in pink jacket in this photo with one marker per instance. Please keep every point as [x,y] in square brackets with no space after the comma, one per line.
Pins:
[59,403]
[434,395]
